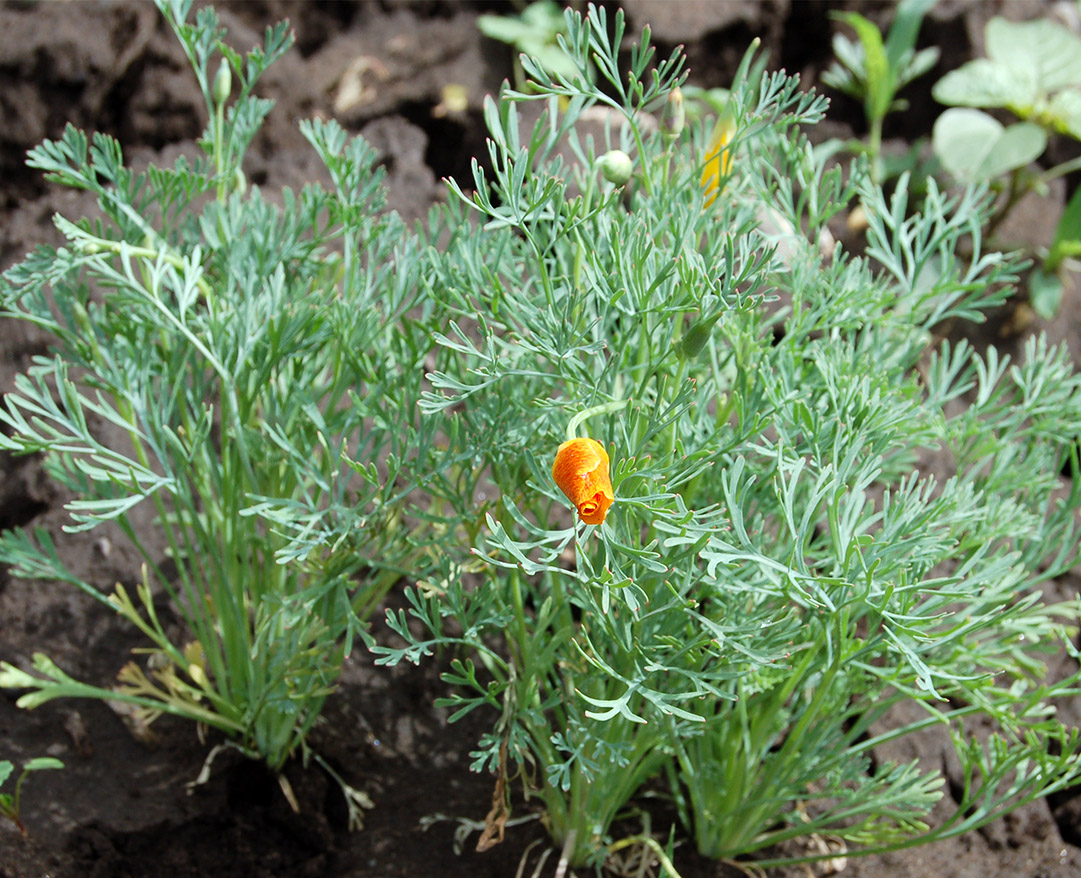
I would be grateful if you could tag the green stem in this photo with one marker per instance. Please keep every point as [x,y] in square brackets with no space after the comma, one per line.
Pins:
[875,149]
[647,177]
[1060,170]
[121,247]
[522,634]
[219,153]
[1013,195]
[652,844]
[673,428]
[603,408]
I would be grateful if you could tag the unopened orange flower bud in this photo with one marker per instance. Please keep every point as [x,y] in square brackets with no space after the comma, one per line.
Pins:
[581,472]
[718,157]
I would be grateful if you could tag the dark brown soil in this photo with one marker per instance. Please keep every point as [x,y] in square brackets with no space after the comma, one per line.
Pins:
[124,807]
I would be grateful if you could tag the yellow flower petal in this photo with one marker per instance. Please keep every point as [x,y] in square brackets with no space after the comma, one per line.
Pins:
[718,157]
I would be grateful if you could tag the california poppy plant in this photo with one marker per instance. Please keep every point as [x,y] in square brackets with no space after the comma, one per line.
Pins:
[718,157]
[581,472]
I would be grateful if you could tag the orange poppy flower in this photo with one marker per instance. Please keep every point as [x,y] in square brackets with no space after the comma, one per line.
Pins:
[718,157]
[581,472]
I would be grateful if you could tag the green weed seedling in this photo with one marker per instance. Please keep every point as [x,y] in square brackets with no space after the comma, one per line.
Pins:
[1033,70]
[874,70]
[536,32]
[10,802]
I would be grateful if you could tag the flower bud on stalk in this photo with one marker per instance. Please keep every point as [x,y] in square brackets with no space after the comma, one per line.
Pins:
[223,84]
[696,336]
[616,166]
[674,117]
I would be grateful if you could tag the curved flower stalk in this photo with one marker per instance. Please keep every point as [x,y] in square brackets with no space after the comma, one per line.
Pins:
[581,472]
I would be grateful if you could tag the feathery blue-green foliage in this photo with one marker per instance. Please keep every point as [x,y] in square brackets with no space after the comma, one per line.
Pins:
[779,568]
[315,402]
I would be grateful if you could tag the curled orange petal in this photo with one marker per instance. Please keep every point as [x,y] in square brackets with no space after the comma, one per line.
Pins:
[581,471]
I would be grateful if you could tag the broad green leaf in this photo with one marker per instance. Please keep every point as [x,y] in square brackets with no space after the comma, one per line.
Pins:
[544,15]
[506,30]
[1027,62]
[42,762]
[1044,293]
[973,146]
[983,83]
[539,23]
[1047,51]
[5,770]
[1064,113]
[554,59]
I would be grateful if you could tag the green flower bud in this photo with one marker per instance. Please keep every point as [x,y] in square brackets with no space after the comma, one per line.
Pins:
[674,116]
[616,166]
[223,83]
[82,318]
[696,336]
